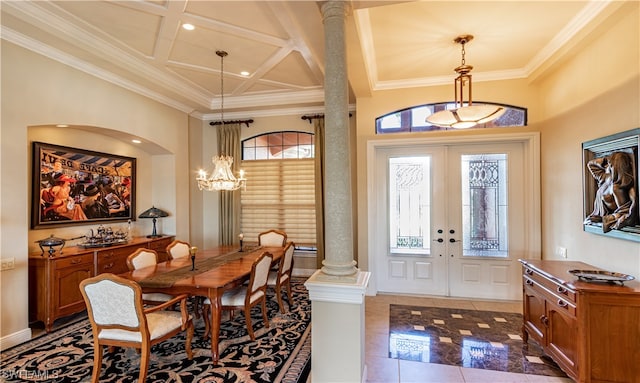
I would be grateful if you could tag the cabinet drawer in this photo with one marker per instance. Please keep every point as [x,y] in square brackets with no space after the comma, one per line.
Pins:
[160,245]
[73,261]
[558,301]
[558,289]
[114,260]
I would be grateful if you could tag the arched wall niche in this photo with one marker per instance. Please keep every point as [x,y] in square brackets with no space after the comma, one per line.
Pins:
[152,163]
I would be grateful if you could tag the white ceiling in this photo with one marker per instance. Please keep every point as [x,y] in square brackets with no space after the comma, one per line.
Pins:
[140,45]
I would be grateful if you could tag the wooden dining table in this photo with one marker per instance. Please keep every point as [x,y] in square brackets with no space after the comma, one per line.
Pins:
[216,270]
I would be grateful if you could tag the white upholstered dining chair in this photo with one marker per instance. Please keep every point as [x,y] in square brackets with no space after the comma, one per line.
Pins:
[281,278]
[246,296]
[142,258]
[178,249]
[119,319]
[272,238]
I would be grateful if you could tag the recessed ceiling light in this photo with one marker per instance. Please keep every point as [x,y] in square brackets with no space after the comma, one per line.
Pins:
[62,126]
[136,141]
[188,26]
[245,73]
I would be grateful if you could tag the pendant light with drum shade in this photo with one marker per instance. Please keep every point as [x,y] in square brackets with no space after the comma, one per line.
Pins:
[464,115]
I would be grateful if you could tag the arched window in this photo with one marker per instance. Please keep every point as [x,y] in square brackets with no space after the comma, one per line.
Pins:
[413,119]
[278,145]
[280,190]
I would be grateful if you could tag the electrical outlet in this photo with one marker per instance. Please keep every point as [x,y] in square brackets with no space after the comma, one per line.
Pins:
[561,251]
[7,264]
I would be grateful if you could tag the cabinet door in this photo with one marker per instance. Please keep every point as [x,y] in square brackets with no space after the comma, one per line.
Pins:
[535,310]
[562,336]
[67,298]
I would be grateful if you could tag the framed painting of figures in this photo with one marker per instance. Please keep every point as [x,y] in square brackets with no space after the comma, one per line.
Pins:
[75,186]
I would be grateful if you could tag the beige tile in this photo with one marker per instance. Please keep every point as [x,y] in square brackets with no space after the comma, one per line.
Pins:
[382,370]
[418,372]
[476,375]
[547,379]
[377,344]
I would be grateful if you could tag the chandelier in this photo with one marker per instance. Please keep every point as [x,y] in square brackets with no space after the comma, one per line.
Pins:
[465,114]
[222,177]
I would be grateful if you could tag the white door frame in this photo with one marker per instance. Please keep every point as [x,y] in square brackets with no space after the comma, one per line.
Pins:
[531,147]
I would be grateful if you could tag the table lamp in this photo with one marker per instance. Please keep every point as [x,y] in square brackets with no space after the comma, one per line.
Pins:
[154,213]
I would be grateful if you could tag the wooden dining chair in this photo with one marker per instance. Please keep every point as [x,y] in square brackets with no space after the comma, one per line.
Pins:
[272,238]
[281,278]
[119,319]
[142,258]
[178,249]
[246,296]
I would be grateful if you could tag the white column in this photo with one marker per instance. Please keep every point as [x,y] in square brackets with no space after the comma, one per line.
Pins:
[337,330]
[337,290]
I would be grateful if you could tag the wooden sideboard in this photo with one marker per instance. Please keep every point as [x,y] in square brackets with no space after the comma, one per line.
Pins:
[590,329]
[53,281]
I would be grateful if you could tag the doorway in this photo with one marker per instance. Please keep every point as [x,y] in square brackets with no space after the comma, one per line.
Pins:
[453,217]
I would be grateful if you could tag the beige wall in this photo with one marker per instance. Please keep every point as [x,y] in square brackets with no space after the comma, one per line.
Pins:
[38,93]
[594,94]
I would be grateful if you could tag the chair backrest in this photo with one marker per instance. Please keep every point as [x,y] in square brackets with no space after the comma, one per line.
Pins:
[273,238]
[178,249]
[259,275]
[113,301]
[142,258]
[287,259]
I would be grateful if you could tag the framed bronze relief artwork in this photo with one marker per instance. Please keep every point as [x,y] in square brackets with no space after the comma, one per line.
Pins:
[75,186]
[611,204]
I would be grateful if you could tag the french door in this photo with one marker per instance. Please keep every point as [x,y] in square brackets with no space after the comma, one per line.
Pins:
[449,219]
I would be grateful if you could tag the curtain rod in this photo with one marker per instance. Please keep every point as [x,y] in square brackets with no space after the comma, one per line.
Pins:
[312,117]
[246,122]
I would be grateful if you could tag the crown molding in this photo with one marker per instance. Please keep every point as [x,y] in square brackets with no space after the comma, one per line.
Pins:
[61,57]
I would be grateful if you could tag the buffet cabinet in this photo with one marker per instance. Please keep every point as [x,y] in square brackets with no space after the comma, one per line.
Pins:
[590,329]
[54,281]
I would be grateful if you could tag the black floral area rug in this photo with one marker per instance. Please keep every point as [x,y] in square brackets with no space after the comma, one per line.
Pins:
[465,338]
[281,353]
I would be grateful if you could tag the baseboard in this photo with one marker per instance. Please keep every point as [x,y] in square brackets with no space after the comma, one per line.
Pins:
[302,272]
[15,339]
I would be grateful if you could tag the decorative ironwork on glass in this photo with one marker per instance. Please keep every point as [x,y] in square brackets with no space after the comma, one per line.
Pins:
[484,205]
[409,196]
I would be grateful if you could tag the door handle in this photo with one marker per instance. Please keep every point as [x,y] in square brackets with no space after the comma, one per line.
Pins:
[438,240]
[452,240]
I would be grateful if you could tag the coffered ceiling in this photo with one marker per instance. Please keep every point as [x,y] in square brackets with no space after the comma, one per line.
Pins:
[141,45]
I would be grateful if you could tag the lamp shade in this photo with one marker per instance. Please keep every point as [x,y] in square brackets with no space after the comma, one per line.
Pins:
[153,212]
[466,116]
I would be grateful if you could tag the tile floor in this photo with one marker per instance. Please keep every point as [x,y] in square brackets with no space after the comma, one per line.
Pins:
[382,369]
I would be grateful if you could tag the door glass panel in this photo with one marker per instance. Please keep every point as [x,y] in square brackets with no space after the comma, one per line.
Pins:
[484,205]
[409,205]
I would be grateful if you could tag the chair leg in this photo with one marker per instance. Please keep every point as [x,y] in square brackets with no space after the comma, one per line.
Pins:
[247,317]
[97,362]
[289,294]
[279,295]
[189,339]
[207,320]
[264,312]
[144,363]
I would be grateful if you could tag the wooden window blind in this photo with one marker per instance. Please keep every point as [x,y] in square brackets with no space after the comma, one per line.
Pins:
[280,194]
